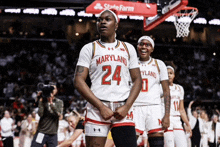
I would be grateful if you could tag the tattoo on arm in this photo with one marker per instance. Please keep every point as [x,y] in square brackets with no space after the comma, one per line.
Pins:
[79,70]
[167,104]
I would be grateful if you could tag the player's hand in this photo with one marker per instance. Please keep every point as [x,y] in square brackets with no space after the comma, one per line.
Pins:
[121,112]
[188,130]
[165,122]
[106,113]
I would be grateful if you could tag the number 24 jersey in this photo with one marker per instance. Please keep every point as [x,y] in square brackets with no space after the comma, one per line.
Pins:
[109,65]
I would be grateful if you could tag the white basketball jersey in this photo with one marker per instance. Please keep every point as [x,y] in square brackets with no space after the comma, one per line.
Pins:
[153,72]
[109,65]
[177,94]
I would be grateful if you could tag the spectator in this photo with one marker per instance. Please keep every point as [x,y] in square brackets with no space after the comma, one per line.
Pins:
[214,132]
[204,134]
[7,127]
[76,123]
[196,124]
[17,129]
[50,108]
[35,119]
[27,132]
[62,129]
[17,104]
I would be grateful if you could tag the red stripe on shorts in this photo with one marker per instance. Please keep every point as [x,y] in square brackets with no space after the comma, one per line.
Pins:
[97,122]
[178,129]
[123,124]
[139,131]
[155,130]
[168,130]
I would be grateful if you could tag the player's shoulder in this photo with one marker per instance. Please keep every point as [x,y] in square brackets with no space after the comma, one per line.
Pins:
[88,45]
[159,61]
[127,44]
[178,86]
[87,48]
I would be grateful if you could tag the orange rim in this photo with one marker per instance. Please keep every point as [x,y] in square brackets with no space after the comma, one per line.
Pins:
[185,13]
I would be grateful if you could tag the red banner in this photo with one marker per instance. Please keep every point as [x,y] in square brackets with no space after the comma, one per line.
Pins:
[124,8]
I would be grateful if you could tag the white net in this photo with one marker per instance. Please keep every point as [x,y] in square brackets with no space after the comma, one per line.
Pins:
[182,21]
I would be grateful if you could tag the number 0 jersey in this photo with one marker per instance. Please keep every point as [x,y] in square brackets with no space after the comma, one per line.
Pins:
[176,94]
[153,72]
[109,65]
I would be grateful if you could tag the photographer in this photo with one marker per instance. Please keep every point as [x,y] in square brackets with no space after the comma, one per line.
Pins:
[50,108]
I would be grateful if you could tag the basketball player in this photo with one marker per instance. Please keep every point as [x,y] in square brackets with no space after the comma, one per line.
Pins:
[111,64]
[147,107]
[175,135]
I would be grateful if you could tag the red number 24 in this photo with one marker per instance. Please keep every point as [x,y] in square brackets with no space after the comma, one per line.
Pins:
[116,75]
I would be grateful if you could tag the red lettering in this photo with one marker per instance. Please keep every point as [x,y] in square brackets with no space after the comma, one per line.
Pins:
[106,57]
[98,61]
[130,116]
[103,59]
[160,122]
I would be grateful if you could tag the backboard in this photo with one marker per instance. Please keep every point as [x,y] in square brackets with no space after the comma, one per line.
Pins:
[154,12]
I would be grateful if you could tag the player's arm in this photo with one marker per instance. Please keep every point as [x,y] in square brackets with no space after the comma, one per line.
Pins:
[166,94]
[135,90]
[81,74]
[69,141]
[184,116]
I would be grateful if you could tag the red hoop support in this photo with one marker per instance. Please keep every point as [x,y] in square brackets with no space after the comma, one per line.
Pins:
[161,19]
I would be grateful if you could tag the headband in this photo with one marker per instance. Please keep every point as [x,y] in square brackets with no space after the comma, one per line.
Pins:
[147,38]
[170,67]
[113,13]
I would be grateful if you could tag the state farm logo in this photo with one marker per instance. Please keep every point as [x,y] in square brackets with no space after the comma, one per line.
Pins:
[98,6]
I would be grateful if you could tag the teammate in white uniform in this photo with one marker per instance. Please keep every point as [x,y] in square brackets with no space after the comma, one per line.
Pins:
[175,135]
[111,64]
[147,107]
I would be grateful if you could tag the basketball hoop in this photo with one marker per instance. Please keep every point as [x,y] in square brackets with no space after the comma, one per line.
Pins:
[182,21]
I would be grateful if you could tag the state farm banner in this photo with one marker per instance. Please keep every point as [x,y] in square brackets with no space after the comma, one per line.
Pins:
[124,8]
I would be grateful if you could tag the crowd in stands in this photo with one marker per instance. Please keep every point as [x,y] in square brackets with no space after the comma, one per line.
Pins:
[24,64]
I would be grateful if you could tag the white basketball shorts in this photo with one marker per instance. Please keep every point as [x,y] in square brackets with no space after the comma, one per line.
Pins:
[95,125]
[147,117]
